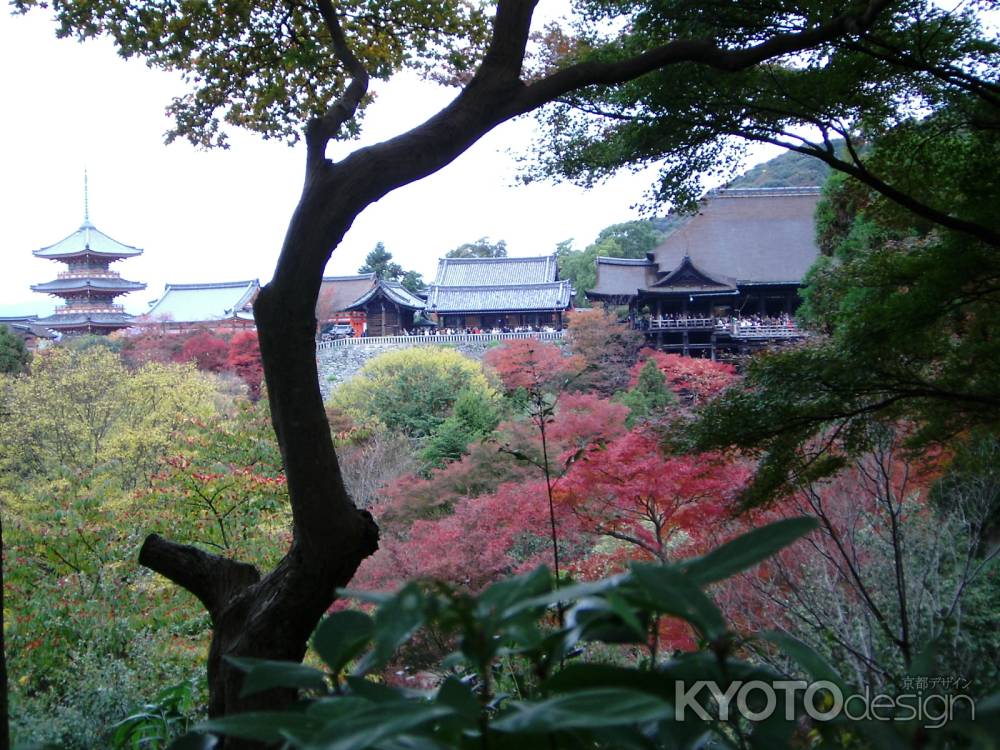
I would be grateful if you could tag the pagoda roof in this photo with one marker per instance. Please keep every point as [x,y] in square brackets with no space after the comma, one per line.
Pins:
[467,272]
[84,319]
[194,303]
[556,295]
[336,293]
[88,240]
[393,291]
[99,284]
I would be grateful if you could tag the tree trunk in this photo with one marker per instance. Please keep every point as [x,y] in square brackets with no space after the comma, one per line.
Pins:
[272,617]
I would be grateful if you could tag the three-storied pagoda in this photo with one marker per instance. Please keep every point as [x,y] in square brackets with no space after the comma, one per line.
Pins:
[88,286]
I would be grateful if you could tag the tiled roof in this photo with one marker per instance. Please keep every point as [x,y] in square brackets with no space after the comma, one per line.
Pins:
[193,303]
[621,277]
[496,271]
[88,239]
[337,292]
[752,235]
[391,290]
[687,277]
[27,325]
[513,297]
[75,320]
[108,284]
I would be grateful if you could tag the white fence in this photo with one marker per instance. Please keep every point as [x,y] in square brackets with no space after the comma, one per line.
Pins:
[734,329]
[449,338]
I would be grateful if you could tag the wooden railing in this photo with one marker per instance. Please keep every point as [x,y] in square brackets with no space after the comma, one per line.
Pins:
[733,329]
[764,332]
[681,324]
[449,338]
[91,308]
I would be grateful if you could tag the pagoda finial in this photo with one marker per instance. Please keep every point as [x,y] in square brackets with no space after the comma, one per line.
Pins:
[86,199]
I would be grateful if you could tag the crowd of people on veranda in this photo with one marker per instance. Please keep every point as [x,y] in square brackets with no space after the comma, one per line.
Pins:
[728,322]
[435,331]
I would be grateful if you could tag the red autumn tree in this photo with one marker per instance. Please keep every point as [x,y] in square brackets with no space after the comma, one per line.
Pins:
[151,345]
[608,348]
[208,351]
[694,380]
[484,539]
[580,419]
[244,360]
[662,507]
[536,366]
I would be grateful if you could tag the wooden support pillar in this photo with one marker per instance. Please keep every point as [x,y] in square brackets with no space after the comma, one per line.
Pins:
[685,341]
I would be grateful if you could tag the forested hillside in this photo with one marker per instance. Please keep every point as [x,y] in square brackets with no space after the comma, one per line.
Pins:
[789,169]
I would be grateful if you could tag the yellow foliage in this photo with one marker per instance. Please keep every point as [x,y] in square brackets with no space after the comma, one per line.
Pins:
[412,390]
[77,411]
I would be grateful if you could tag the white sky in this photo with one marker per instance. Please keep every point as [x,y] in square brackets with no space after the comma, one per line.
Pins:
[221,215]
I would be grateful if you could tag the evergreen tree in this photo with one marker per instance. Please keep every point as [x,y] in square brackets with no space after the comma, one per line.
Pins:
[481,248]
[379,262]
[14,355]
[650,396]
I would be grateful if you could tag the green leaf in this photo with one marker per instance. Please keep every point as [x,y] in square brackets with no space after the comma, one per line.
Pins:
[342,636]
[264,674]
[665,589]
[458,696]
[576,677]
[375,725]
[377,692]
[264,726]
[573,592]
[747,550]
[511,592]
[608,619]
[397,619]
[586,709]
[194,741]
[805,656]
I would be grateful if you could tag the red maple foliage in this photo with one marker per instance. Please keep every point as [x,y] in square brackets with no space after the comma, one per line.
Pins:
[244,360]
[580,420]
[484,539]
[206,350]
[537,366]
[693,380]
[151,345]
[660,507]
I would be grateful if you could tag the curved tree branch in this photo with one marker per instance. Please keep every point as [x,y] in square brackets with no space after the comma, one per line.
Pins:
[702,51]
[321,129]
[213,579]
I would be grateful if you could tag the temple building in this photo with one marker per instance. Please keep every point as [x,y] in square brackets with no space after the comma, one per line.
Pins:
[731,270]
[388,308]
[487,293]
[34,335]
[336,294]
[219,306]
[88,286]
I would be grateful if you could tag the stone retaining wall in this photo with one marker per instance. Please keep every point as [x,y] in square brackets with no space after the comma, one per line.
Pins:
[339,364]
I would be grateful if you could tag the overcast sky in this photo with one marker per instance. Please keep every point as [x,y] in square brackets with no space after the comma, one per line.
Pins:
[221,215]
